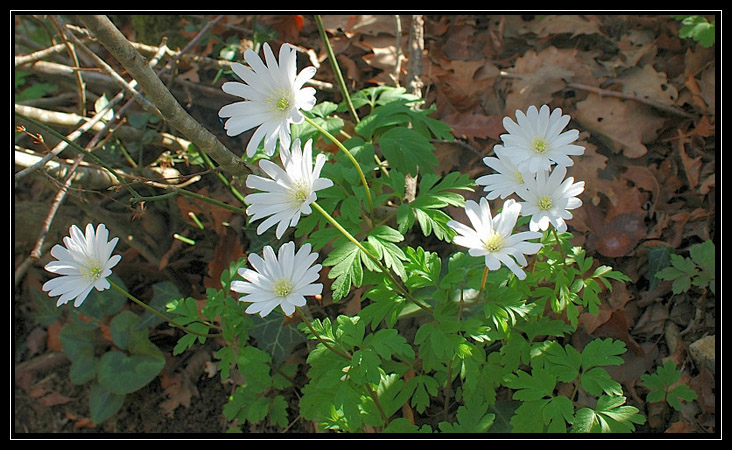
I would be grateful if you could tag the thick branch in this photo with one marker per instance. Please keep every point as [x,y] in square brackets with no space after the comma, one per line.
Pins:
[135,64]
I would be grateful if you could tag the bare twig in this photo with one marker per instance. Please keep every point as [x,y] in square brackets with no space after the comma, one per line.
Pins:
[115,42]
[416,47]
[58,23]
[39,55]
[398,64]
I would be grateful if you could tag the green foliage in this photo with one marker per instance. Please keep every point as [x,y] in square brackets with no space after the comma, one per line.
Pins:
[663,386]
[697,270]
[698,28]
[130,364]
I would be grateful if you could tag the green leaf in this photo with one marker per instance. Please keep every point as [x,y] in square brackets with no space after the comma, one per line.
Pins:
[471,418]
[103,403]
[425,389]
[275,337]
[163,293]
[597,381]
[697,28]
[382,238]
[104,303]
[565,361]
[557,413]
[345,263]
[253,365]
[609,416]
[434,194]
[407,151]
[278,412]
[121,374]
[660,384]
[538,385]
[388,342]
[601,352]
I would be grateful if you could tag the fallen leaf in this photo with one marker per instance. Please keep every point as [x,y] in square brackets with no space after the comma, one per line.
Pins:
[618,237]
[692,167]
[625,126]
[575,24]
[538,76]
[646,82]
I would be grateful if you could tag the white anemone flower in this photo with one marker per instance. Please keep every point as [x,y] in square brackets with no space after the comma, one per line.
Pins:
[537,141]
[493,238]
[507,179]
[549,198]
[279,280]
[84,263]
[274,96]
[290,191]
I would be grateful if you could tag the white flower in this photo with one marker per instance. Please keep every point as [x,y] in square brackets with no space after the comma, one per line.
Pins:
[290,191]
[274,97]
[508,178]
[492,236]
[284,279]
[84,263]
[548,199]
[537,140]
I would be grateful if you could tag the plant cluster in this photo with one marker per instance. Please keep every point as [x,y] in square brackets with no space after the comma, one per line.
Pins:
[492,313]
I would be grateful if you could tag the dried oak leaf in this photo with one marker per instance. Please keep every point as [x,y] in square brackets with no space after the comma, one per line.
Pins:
[576,24]
[646,82]
[540,75]
[624,126]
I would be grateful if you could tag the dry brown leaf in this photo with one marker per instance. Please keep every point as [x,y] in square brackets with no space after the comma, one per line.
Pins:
[692,167]
[625,126]
[576,24]
[646,82]
[541,74]
[229,249]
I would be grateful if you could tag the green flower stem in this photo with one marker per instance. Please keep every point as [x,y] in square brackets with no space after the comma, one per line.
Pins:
[373,258]
[181,191]
[336,68]
[305,320]
[559,245]
[350,156]
[482,282]
[235,192]
[161,315]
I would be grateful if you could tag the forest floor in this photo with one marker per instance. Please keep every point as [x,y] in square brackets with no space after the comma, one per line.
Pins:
[643,98]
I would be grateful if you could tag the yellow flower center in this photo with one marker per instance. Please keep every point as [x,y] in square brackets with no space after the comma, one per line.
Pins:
[493,243]
[280,102]
[282,288]
[545,203]
[91,271]
[540,145]
[299,193]
[519,178]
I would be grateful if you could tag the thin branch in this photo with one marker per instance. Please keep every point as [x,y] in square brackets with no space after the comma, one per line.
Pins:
[115,42]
